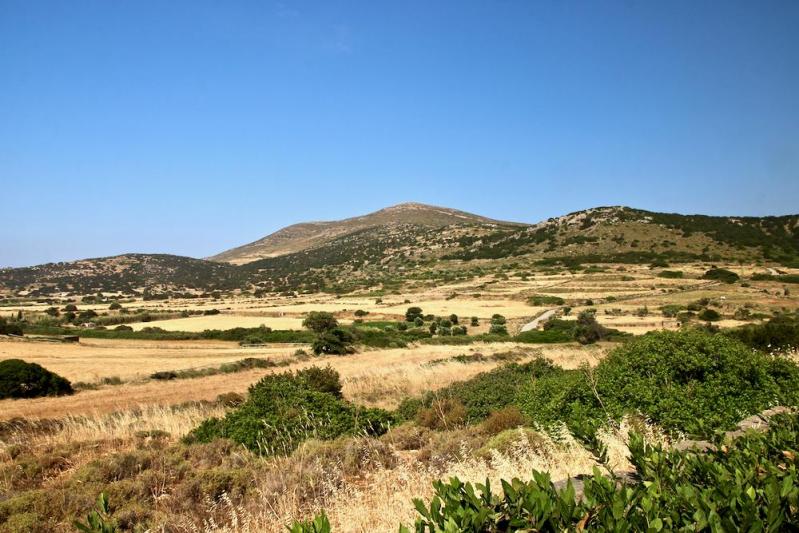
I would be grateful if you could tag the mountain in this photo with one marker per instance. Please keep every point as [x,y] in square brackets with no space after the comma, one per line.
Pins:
[308,235]
[416,244]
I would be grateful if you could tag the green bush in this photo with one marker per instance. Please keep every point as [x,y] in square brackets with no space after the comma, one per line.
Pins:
[748,485]
[778,333]
[689,381]
[671,274]
[320,321]
[9,329]
[336,342]
[539,300]
[283,410]
[721,274]
[708,315]
[543,336]
[19,379]
[485,393]
[413,313]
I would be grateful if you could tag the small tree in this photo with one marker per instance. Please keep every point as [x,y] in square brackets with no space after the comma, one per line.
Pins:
[475,321]
[453,318]
[320,321]
[19,379]
[418,322]
[498,329]
[334,342]
[413,313]
[115,306]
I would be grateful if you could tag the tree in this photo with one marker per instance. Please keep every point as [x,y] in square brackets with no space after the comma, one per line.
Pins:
[412,313]
[498,329]
[19,379]
[333,342]
[709,315]
[320,321]
[418,322]
[115,306]
[475,321]
[453,318]
[52,311]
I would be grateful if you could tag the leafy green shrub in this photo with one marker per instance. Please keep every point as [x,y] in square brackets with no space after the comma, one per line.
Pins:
[547,336]
[783,278]
[335,341]
[708,315]
[413,313]
[498,329]
[19,379]
[778,333]
[320,321]
[99,520]
[721,274]
[539,300]
[671,274]
[689,381]
[9,329]
[283,410]
[486,392]
[748,485]
[318,524]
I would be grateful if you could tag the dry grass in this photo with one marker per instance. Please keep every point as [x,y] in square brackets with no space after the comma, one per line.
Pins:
[222,321]
[93,359]
[382,498]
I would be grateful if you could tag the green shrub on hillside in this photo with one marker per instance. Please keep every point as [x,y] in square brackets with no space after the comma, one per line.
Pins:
[708,315]
[19,379]
[283,410]
[779,333]
[689,381]
[539,300]
[721,274]
[485,393]
[7,328]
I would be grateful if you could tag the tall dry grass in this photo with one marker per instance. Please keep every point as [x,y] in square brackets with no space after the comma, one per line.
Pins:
[121,426]
[382,498]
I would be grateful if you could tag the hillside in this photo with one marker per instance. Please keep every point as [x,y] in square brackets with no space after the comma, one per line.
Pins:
[414,242]
[308,235]
[127,274]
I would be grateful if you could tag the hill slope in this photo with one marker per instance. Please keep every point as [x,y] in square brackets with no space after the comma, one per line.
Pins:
[127,273]
[417,242]
[308,235]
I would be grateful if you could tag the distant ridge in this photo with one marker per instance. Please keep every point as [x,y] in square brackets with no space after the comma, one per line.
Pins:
[418,241]
[306,235]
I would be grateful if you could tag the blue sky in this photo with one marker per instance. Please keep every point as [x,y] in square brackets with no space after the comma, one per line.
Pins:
[190,127]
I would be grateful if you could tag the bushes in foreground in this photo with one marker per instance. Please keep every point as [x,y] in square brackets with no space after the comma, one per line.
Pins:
[748,485]
[687,381]
[19,379]
[283,410]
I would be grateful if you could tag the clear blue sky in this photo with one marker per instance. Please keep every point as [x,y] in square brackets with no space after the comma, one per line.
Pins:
[190,127]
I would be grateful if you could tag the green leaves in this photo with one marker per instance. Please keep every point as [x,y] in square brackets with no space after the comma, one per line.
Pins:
[750,485]
[319,524]
[98,521]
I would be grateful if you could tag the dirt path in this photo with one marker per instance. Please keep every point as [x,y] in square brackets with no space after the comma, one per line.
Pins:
[543,317]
